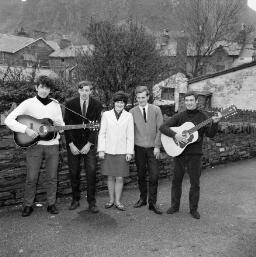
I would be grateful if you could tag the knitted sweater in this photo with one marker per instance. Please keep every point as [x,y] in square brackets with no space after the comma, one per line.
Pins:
[36,109]
[196,117]
[147,134]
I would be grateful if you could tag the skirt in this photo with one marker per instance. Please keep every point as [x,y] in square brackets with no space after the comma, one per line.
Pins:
[115,165]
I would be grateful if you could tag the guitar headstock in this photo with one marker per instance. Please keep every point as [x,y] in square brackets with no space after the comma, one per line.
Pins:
[93,125]
[227,112]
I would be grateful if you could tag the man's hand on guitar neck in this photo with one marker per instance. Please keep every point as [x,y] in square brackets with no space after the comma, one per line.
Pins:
[216,118]
[31,133]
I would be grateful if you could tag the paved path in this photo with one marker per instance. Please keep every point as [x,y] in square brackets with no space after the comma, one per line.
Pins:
[227,226]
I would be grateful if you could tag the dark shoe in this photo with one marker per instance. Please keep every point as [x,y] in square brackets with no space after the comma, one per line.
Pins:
[93,209]
[155,209]
[120,206]
[74,205]
[52,209]
[27,210]
[195,214]
[140,203]
[109,205]
[172,210]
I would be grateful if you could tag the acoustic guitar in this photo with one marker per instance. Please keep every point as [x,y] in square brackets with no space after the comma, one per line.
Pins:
[45,129]
[190,131]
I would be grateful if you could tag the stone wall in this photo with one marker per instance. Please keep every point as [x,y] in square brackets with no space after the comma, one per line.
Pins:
[234,86]
[233,142]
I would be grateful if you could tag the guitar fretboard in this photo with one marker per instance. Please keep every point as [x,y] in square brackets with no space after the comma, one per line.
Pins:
[67,127]
[200,125]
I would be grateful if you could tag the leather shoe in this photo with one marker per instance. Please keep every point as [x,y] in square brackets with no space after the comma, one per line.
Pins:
[93,209]
[155,209]
[27,210]
[195,214]
[74,205]
[140,203]
[52,209]
[109,205]
[172,210]
[120,206]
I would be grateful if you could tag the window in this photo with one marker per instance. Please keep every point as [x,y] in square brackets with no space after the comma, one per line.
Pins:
[167,93]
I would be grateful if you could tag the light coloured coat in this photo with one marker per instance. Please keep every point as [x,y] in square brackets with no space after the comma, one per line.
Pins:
[116,136]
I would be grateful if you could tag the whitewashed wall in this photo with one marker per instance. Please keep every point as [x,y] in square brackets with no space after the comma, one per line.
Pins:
[238,87]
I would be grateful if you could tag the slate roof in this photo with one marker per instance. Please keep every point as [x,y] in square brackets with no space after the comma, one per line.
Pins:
[71,51]
[12,43]
[212,75]
[232,48]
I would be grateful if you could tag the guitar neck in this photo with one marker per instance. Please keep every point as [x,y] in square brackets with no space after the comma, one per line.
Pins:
[200,125]
[67,127]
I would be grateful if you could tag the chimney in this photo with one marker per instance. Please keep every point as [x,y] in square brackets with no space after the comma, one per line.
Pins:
[165,37]
[181,52]
[64,43]
[39,34]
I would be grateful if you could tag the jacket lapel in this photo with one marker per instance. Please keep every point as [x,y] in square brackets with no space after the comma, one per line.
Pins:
[149,113]
[77,106]
[90,106]
[112,115]
[139,112]
[123,115]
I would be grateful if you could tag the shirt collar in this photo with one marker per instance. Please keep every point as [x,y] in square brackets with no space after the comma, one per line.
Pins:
[146,107]
[82,101]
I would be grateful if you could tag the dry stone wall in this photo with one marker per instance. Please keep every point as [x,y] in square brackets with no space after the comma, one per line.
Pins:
[234,141]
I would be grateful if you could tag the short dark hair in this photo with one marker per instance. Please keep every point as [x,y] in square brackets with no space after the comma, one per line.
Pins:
[140,89]
[120,96]
[45,81]
[190,93]
[84,83]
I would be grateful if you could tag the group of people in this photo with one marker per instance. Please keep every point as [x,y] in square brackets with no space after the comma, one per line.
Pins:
[122,135]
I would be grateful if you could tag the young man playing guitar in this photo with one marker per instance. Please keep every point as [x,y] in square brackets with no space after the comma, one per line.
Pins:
[190,158]
[81,143]
[40,106]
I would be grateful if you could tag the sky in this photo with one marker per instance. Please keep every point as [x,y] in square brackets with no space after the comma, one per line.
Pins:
[252,4]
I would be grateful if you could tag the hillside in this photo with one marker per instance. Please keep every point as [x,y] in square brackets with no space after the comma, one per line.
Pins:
[66,16]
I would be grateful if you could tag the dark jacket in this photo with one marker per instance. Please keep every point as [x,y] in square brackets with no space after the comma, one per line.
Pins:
[196,117]
[81,136]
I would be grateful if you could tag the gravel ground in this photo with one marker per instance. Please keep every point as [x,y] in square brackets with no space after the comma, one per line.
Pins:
[227,227]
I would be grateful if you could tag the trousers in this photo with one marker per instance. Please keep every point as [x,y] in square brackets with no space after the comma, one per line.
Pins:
[146,161]
[191,164]
[34,157]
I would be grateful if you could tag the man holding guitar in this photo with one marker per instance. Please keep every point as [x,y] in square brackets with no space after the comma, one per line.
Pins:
[191,153]
[38,107]
[81,143]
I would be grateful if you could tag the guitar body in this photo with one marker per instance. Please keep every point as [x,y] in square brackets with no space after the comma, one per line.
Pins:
[174,148]
[190,131]
[39,125]
[45,129]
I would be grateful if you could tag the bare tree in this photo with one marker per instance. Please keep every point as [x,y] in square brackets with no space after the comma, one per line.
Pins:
[206,22]
[123,57]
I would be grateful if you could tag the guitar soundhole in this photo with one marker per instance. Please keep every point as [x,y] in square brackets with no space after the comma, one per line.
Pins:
[43,130]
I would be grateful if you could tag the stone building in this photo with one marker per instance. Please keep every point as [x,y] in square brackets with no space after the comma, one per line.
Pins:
[25,51]
[63,61]
[232,86]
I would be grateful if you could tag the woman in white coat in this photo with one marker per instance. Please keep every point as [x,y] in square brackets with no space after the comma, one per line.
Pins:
[116,147]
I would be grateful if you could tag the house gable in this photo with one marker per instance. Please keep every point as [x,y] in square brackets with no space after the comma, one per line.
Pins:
[233,86]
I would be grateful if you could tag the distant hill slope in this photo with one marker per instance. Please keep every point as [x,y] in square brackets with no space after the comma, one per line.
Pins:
[72,16]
